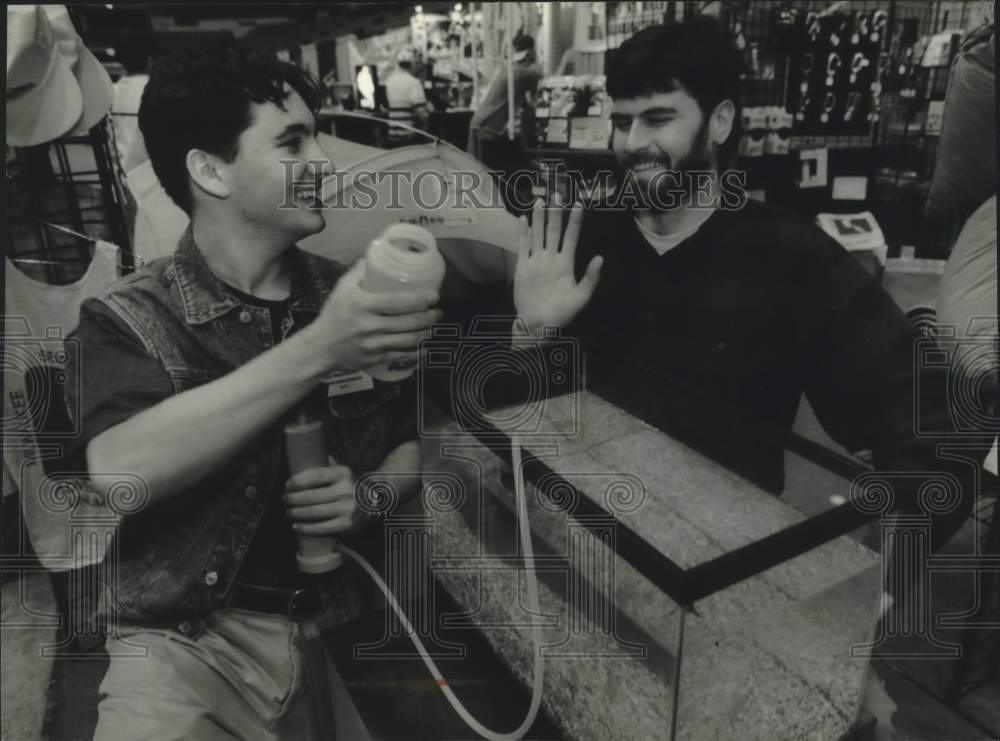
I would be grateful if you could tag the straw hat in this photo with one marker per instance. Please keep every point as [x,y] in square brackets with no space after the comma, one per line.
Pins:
[43,97]
[94,81]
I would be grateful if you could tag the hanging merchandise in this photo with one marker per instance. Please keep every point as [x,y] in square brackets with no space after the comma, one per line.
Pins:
[628,18]
[572,111]
[832,76]
[93,80]
[43,97]
[498,20]
[61,511]
[37,423]
[590,30]
[53,308]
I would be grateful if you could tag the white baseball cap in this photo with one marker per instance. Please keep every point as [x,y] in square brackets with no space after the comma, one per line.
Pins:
[94,81]
[43,97]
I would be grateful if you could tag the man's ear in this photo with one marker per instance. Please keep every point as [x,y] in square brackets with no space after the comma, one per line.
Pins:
[721,124]
[204,172]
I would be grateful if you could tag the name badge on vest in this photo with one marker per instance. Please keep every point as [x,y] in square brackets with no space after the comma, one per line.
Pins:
[339,383]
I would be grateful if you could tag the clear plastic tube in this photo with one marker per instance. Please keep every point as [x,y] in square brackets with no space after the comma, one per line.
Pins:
[536,629]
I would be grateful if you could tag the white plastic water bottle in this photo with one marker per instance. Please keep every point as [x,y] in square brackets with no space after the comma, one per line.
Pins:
[403,256]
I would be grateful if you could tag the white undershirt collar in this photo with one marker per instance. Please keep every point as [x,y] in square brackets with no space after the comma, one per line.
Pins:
[663,243]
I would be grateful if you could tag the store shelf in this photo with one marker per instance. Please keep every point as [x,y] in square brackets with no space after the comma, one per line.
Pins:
[555,153]
[816,141]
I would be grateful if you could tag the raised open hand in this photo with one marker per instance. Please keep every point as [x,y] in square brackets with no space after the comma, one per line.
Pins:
[546,292]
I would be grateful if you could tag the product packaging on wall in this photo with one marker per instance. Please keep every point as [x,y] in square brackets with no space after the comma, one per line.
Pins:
[832,69]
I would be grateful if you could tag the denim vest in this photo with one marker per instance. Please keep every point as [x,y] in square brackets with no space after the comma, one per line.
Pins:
[178,559]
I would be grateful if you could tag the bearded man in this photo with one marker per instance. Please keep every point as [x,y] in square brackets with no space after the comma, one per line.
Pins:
[714,315]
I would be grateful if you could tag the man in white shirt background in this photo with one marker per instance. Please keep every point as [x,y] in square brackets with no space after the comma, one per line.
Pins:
[405,94]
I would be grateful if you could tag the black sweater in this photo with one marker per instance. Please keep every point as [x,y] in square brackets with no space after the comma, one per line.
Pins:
[716,340]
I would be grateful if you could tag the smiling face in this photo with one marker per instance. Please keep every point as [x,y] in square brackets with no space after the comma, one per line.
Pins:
[274,181]
[661,132]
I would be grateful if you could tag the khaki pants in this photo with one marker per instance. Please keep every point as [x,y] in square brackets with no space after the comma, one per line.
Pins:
[240,679]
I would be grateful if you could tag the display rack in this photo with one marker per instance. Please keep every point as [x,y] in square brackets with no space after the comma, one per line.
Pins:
[625,19]
[886,139]
[61,196]
[896,149]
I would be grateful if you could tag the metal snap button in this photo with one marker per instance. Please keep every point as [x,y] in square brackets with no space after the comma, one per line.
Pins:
[251,492]
[245,316]
[211,578]
[184,627]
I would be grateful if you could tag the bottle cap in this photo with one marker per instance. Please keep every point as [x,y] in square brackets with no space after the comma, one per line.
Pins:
[420,237]
[403,254]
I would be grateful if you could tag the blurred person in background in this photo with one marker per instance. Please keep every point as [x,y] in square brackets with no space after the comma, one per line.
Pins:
[405,95]
[489,123]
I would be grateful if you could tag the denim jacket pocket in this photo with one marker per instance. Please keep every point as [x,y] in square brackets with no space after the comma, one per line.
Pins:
[163,575]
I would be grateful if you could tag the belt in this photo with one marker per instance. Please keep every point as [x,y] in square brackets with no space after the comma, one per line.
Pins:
[293,603]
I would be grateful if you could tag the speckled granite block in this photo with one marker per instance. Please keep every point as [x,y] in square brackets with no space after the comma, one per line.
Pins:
[769,656]
[28,625]
[587,694]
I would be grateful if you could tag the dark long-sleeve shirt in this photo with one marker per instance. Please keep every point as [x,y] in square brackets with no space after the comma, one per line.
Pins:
[717,340]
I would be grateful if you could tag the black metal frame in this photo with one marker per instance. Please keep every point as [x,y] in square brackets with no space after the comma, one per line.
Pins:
[65,261]
[683,585]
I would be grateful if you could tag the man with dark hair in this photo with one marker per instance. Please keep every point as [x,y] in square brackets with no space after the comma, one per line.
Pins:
[190,367]
[696,58]
[711,314]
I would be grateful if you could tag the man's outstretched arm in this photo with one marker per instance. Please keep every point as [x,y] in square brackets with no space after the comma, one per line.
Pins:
[177,442]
